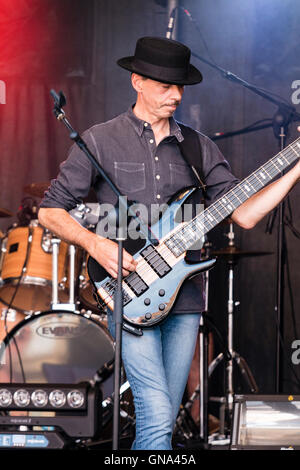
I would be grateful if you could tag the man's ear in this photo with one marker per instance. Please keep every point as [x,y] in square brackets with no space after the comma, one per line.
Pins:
[137,82]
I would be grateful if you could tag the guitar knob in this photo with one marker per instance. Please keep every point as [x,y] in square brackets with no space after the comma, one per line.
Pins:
[161,292]
[147,301]
[148,316]
[161,307]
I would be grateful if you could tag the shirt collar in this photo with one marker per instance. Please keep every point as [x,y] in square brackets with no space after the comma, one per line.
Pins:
[140,125]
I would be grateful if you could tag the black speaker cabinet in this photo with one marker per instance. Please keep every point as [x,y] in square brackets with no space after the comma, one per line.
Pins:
[266,422]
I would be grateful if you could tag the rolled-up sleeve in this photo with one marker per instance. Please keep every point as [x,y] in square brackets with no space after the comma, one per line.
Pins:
[76,177]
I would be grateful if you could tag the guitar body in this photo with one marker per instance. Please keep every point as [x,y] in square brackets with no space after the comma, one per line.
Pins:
[159,275]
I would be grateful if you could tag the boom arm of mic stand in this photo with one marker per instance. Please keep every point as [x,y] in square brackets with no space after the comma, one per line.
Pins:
[234,78]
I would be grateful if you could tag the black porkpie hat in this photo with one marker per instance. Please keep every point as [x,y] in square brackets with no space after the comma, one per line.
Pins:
[164,60]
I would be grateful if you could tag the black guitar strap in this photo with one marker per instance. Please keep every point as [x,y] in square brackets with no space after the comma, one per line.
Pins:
[191,151]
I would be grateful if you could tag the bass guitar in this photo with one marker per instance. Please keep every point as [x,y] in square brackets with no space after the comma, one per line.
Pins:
[150,292]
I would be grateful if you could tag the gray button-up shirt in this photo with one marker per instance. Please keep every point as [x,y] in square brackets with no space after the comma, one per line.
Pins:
[125,147]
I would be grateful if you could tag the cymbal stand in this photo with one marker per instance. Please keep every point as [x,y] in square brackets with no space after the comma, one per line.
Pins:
[185,424]
[203,362]
[234,356]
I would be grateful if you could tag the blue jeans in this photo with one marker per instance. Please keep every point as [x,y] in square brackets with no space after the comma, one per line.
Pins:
[157,366]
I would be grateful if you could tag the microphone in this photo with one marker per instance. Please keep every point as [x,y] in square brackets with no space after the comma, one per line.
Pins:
[59,99]
[171,24]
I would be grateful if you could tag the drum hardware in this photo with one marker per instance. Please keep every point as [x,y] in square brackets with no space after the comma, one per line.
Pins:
[203,359]
[107,416]
[46,241]
[55,304]
[110,399]
[185,427]
[186,430]
[128,422]
[27,211]
[5,213]
[9,317]
[2,254]
[87,214]
[231,254]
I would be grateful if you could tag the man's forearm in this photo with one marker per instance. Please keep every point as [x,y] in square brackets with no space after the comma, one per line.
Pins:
[65,227]
[103,250]
[261,203]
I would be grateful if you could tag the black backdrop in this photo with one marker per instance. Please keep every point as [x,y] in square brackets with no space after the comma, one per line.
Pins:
[73,45]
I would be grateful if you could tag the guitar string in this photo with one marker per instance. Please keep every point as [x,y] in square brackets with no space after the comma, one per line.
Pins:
[268,168]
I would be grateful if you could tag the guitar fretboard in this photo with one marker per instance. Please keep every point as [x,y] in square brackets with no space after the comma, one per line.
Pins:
[185,237]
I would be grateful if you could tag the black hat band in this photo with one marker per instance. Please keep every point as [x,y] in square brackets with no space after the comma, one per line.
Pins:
[177,74]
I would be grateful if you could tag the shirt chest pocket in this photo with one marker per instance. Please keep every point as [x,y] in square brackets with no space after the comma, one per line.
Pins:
[130,176]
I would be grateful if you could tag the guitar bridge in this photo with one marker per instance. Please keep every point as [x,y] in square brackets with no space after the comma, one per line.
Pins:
[110,288]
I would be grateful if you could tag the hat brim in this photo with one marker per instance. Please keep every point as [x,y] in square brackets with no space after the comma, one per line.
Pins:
[193,76]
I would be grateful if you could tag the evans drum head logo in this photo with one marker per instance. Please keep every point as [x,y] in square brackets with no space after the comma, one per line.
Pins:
[61,330]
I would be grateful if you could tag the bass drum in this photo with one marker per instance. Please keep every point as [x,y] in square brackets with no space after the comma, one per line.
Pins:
[56,347]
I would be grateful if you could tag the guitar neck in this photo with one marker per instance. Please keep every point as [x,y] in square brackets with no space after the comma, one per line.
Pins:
[185,237]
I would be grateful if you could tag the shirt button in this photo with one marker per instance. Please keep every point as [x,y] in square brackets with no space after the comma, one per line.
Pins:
[158,196]
[151,141]
[156,158]
[157,177]
[145,124]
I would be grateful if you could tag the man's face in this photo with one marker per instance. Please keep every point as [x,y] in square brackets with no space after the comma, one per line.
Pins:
[158,99]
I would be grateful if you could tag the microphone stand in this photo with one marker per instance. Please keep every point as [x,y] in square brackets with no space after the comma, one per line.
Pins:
[122,223]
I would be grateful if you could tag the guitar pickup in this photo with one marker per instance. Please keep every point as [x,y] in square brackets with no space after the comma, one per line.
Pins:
[110,287]
[136,283]
[156,261]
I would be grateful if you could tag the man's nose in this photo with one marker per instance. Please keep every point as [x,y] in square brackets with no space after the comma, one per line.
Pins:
[177,92]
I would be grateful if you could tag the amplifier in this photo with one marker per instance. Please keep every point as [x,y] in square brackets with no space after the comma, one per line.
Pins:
[266,422]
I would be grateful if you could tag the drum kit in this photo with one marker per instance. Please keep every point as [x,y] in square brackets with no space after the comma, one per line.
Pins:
[51,330]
